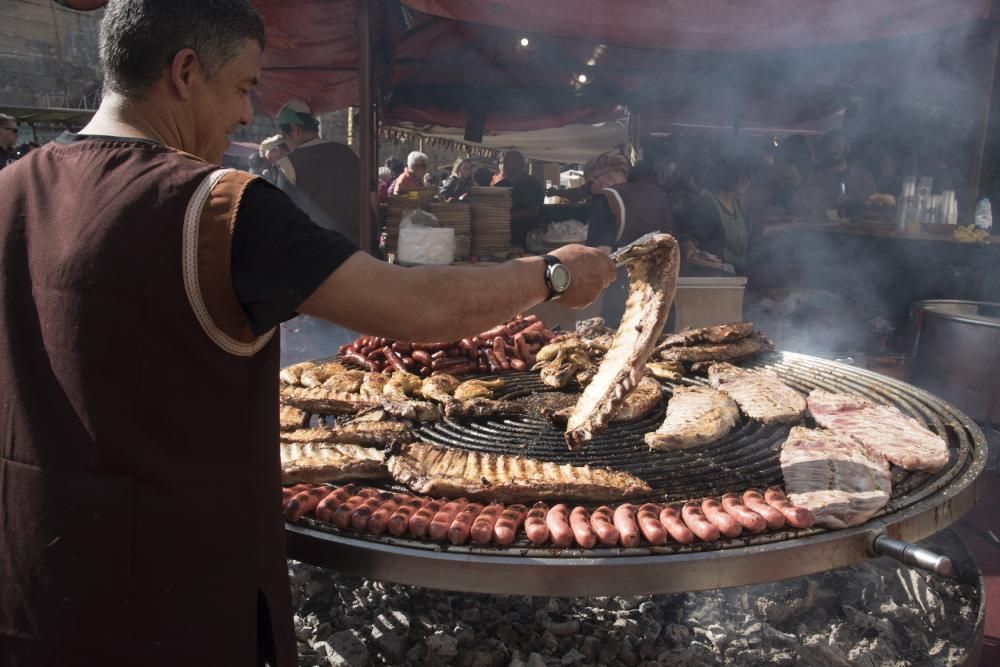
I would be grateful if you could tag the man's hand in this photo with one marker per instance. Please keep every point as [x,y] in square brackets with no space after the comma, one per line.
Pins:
[590,271]
[688,249]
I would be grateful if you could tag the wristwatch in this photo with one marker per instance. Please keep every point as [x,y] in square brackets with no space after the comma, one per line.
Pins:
[556,277]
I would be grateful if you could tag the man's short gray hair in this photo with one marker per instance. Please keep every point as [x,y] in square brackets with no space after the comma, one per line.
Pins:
[139,38]
[4,118]
[416,157]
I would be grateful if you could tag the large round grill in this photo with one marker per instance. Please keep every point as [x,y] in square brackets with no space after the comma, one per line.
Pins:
[921,503]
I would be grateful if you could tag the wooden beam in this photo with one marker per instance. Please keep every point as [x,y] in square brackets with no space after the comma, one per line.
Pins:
[366,129]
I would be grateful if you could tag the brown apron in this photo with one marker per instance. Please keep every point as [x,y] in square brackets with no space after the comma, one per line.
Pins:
[139,476]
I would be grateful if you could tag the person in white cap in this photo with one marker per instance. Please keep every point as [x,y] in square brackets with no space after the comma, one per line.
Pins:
[320,175]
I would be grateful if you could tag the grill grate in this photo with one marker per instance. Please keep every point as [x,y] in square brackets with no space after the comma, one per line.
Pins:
[748,457]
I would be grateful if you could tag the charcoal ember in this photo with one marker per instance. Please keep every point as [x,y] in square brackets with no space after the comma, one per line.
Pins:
[780,602]
[442,645]
[536,660]
[591,647]
[572,657]
[347,649]
[563,628]
[390,631]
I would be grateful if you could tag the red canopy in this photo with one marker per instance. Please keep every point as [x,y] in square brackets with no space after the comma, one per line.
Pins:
[723,25]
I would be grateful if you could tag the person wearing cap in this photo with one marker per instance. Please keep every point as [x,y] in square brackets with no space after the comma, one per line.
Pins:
[621,211]
[272,150]
[143,288]
[321,176]
[412,177]
[527,195]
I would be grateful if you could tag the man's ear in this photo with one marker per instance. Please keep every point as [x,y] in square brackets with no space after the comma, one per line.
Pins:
[182,68]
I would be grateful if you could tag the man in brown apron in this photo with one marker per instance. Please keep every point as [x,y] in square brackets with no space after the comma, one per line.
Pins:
[141,289]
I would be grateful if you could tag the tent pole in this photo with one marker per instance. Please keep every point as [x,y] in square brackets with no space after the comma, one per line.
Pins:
[991,42]
[366,127]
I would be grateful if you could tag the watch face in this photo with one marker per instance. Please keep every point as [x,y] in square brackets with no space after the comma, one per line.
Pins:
[559,275]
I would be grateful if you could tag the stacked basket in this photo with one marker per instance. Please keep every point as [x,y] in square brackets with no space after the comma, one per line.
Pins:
[491,221]
[459,218]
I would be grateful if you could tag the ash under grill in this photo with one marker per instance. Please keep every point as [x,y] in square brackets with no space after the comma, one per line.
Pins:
[921,504]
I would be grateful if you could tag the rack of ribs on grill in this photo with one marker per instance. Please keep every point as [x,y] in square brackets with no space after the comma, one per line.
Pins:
[443,471]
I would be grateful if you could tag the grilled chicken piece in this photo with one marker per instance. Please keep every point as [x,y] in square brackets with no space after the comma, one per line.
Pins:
[477,389]
[552,405]
[741,349]
[315,463]
[290,418]
[373,386]
[722,333]
[293,374]
[418,411]
[652,269]
[440,388]
[883,429]
[349,381]
[323,400]
[836,477]
[378,434]
[695,416]
[640,402]
[441,471]
[666,370]
[314,377]
[568,363]
[401,386]
[760,394]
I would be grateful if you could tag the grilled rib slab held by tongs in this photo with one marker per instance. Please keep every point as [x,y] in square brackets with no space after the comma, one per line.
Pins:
[653,262]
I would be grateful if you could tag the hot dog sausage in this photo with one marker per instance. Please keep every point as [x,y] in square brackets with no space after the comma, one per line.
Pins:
[671,520]
[797,517]
[648,517]
[699,525]
[557,521]
[495,366]
[482,527]
[628,531]
[754,499]
[330,502]
[518,365]
[443,519]
[422,357]
[501,352]
[421,520]
[362,514]
[505,530]
[392,359]
[579,521]
[458,532]
[402,348]
[342,515]
[534,524]
[379,521]
[399,522]
[733,505]
[305,501]
[499,330]
[602,523]
[727,525]
[288,492]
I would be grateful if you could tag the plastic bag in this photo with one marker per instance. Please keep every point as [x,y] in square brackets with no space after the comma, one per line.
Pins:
[418,217]
[984,215]
[423,241]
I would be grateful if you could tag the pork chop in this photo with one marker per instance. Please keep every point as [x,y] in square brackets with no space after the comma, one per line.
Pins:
[836,477]
[315,463]
[761,395]
[695,416]
[885,430]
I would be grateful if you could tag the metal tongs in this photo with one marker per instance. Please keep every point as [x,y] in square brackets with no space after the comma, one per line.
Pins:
[621,256]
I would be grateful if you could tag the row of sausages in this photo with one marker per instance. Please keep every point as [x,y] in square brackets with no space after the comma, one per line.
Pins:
[509,346]
[459,521]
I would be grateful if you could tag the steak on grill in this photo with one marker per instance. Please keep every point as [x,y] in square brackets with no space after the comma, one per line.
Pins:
[741,349]
[722,333]
[836,477]
[883,429]
[322,400]
[312,462]
[760,394]
[652,271]
[442,471]
[695,416]
[640,401]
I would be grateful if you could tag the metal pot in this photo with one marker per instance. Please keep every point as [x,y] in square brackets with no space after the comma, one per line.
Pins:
[956,354]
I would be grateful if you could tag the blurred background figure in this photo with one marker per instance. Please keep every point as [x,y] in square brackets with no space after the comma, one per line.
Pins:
[412,177]
[8,138]
[456,186]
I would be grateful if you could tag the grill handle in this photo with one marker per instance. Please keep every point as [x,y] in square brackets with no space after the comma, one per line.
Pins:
[911,554]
